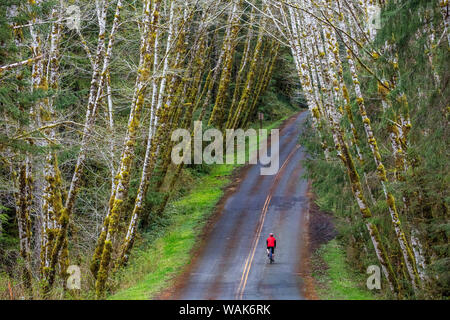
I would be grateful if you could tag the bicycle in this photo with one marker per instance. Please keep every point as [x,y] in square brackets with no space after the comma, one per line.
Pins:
[270,254]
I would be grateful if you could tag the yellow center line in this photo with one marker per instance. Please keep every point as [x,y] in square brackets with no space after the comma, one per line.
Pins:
[251,255]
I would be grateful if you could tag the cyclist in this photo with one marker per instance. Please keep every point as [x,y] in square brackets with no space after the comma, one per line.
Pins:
[271,243]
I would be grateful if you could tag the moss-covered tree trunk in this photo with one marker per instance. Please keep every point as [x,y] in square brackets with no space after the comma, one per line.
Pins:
[250,81]
[260,88]
[445,11]
[125,165]
[52,208]
[218,112]
[99,74]
[23,183]
[241,70]
[381,171]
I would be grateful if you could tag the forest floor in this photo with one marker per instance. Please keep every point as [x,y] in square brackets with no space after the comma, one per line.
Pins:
[327,274]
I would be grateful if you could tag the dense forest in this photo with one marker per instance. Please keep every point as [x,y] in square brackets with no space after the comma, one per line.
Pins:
[390,133]
[90,92]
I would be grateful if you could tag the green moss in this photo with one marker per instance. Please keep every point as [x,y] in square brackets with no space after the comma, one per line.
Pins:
[390,200]
[103,271]
[381,172]
[95,262]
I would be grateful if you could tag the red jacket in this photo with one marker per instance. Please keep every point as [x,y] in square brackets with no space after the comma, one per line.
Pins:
[271,242]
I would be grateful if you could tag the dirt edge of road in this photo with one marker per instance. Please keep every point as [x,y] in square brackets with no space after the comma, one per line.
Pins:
[318,229]
[180,280]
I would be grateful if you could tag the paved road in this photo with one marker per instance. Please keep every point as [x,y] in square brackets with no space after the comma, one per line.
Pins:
[233,263]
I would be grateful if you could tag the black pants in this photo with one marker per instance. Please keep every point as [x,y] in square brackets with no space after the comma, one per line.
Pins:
[271,248]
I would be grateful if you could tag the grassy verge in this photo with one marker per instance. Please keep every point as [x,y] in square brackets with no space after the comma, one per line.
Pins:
[334,277]
[153,268]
